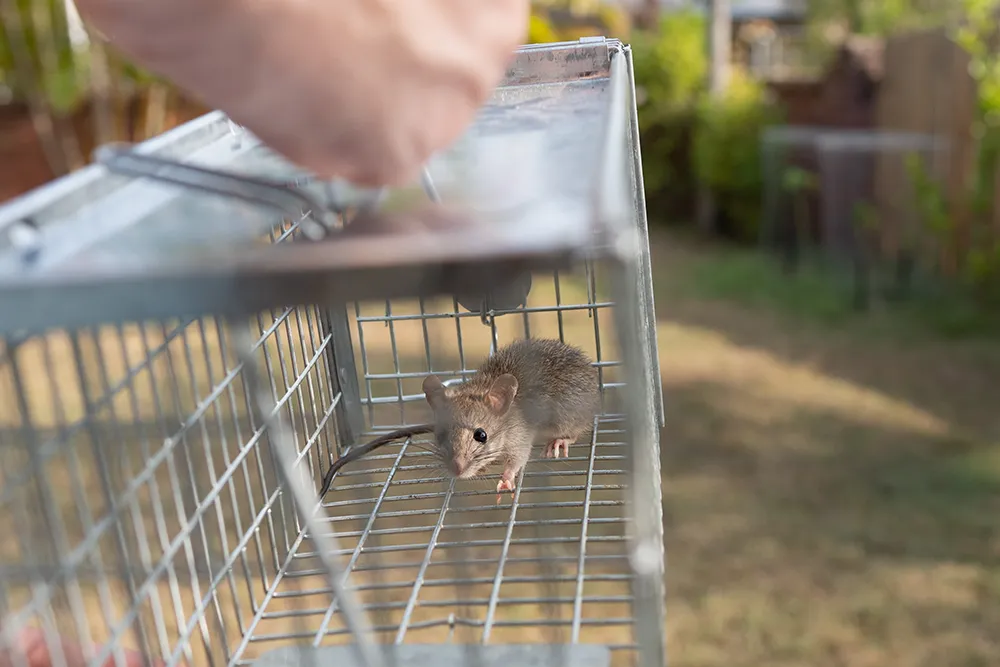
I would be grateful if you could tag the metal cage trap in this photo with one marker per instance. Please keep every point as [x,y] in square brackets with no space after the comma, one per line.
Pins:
[193,330]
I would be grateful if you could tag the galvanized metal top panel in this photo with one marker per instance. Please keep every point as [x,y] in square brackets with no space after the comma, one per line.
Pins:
[529,184]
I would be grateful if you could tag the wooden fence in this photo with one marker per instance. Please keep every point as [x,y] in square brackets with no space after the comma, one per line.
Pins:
[926,88]
[23,159]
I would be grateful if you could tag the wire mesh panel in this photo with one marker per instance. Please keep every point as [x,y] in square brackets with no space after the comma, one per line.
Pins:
[142,483]
[179,385]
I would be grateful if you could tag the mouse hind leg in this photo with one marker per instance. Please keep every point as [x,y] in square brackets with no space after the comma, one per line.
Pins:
[563,435]
[557,445]
[559,442]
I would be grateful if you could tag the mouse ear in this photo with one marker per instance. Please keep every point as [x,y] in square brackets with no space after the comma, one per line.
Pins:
[502,393]
[434,391]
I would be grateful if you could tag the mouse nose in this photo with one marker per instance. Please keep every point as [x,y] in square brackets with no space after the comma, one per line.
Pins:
[461,465]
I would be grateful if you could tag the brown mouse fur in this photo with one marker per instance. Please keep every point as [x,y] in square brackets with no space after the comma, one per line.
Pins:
[531,390]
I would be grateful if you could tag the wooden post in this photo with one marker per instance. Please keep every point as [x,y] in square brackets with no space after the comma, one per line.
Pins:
[648,14]
[720,36]
[720,42]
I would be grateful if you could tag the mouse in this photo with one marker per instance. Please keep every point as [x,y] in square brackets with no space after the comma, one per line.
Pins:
[533,390]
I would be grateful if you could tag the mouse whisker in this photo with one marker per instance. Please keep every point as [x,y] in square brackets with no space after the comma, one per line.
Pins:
[484,468]
[424,448]
[487,456]
[432,448]
[440,466]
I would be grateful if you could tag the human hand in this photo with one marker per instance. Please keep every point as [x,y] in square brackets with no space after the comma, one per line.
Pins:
[33,650]
[365,90]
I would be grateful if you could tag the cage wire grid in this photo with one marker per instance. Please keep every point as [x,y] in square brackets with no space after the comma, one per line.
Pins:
[141,473]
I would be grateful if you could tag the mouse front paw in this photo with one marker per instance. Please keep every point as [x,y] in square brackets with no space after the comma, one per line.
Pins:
[505,484]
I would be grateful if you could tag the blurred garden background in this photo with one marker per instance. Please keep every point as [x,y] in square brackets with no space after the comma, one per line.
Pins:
[823,194]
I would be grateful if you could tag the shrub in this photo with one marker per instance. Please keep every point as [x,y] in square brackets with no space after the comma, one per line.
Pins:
[670,68]
[670,64]
[616,20]
[686,139]
[540,30]
[726,151]
[606,20]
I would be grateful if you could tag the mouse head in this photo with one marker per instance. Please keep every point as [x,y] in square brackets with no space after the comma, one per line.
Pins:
[471,426]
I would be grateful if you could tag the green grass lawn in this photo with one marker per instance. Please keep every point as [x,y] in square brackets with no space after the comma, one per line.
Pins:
[831,479]
[823,295]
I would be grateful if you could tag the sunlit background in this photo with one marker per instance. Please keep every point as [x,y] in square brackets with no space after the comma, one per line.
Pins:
[822,188]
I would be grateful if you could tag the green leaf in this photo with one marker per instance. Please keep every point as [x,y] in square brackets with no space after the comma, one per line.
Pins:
[63,89]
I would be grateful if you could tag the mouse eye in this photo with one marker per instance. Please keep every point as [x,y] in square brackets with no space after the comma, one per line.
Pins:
[479,435]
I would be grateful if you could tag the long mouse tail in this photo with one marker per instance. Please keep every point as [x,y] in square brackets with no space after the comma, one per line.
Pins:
[360,451]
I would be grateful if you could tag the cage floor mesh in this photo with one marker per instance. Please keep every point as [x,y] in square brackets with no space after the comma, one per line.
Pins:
[193,550]
[435,561]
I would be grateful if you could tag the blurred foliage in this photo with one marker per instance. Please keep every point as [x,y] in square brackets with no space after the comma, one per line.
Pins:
[880,17]
[978,35]
[615,19]
[590,19]
[688,138]
[829,22]
[727,151]
[37,55]
[540,30]
[670,65]
[928,196]
[796,180]
[76,90]
[973,24]
[864,216]
[670,68]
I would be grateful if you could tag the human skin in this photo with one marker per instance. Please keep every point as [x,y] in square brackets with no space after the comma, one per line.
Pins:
[365,90]
[34,651]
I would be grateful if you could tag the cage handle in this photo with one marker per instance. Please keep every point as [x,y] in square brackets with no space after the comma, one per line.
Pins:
[121,159]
